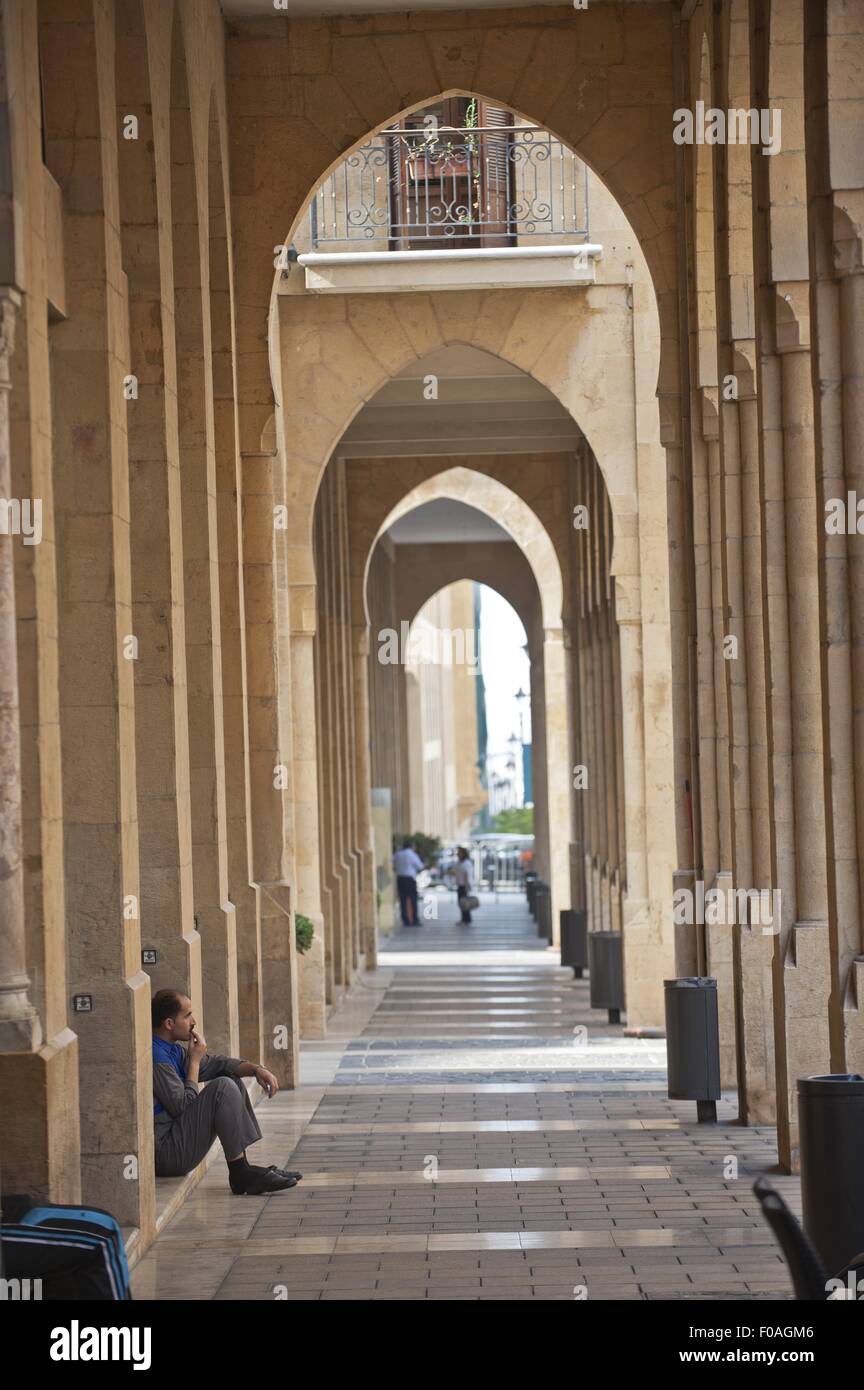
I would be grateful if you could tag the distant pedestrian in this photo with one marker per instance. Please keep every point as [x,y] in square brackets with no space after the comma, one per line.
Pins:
[464,884]
[489,869]
[407,865]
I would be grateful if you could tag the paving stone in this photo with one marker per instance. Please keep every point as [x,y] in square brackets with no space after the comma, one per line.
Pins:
[565,1190]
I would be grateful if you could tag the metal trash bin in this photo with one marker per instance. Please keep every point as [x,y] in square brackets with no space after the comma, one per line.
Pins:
[543,903]
[574,939]
[831,1129]
[531,894]
[606,968]
[693,1043]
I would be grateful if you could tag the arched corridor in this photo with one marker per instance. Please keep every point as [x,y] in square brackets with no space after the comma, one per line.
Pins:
[330,328]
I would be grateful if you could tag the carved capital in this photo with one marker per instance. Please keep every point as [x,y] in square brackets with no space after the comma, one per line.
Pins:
[848,232]
[792,315]
[710,413]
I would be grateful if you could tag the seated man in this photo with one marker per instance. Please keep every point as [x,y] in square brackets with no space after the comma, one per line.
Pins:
[187,1121]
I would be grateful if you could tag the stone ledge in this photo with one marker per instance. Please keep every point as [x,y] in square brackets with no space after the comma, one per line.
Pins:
[478,268]
[171,1193]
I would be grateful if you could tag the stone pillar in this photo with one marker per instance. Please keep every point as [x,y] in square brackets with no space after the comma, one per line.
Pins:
[39,1140]
[751,789]
[345,714]
[156,535]
[558,772]
[312,983]
[267,966]
[89,351]
[363,784]
[849,1054]
[801,962]
[327,754]
[20,1030]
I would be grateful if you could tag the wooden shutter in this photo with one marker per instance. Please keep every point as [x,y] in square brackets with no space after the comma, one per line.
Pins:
[496,181]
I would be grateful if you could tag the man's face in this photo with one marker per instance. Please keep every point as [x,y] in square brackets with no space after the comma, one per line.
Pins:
[183,1025]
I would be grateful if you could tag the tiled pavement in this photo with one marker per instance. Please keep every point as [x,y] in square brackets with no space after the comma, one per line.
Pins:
[473,1130]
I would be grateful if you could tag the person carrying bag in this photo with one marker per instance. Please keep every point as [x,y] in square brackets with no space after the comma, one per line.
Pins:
[464,874]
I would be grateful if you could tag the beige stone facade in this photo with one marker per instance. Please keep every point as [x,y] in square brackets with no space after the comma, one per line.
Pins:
[185,668]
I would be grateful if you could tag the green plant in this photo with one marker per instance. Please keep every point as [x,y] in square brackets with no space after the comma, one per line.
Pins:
[304,932]
[517,820]
[428,846]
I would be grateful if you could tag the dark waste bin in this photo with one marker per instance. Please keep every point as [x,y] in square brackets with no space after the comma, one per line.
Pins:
[543,914]
[693,1043]
[831,1129]
[606,968]
[574,939]
[531,894]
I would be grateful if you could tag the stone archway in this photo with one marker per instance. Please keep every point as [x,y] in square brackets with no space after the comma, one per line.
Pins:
[578,83]
[504,506]
[354,348]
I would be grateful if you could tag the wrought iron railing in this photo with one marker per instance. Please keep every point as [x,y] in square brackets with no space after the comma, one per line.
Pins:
[487,185]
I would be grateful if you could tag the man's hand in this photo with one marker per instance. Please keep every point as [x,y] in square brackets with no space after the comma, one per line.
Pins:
[197,1046]
[267,1080]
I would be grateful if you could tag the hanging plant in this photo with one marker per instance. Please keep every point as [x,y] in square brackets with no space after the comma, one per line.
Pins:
[304,932]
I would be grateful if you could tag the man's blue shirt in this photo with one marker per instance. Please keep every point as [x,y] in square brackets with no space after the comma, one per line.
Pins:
[175,1056]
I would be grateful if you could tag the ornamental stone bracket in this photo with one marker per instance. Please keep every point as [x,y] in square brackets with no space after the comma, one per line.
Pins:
[849,232]
[792,315]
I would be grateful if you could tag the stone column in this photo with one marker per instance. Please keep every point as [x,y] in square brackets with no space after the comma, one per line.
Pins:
[345,714]
[802,961]
[20,1030]
[89,352]
[369,924]
[558,779]
[850,931]
[751,781]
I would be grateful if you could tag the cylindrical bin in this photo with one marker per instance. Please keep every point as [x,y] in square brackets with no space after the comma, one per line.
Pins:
[543,903]
[574,939]
[531,894]
[831,1129]
[693,1043]
[606,968]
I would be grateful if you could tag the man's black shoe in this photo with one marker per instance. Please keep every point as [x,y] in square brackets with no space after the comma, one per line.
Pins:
[260,1182]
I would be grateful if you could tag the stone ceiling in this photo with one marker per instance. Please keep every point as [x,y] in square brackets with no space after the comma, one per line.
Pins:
[484,405]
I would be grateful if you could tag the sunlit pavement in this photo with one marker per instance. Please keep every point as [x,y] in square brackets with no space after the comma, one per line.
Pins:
[472,1129]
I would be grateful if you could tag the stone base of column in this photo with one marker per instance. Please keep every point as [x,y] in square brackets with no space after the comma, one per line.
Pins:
[721,964]
[368,914]
[279,1008]
[757,1100]
[311,984]
[217,928]
[40,1135]
[20,1029]
[645,966]
[20,1034]
[853,1018]
[248,971]
[117,1162]
[687,932]
[807,989]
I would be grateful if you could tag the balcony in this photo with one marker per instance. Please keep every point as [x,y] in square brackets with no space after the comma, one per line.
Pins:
[483,206]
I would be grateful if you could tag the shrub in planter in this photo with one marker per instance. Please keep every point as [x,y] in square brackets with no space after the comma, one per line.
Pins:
[304,931]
